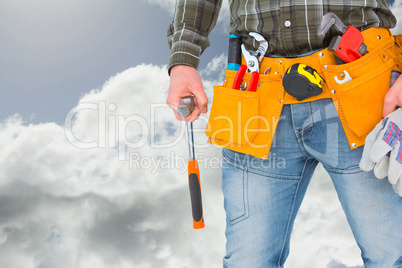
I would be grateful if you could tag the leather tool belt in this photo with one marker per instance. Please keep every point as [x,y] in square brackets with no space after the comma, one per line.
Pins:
[245,121]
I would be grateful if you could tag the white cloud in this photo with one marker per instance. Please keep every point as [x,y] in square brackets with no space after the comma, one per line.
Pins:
[215,68]
[83,207]
[63,206]
[168,5]
[397,10]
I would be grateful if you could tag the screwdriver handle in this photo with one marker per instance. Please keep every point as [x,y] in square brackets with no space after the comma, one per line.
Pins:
[195,194]
[234,53]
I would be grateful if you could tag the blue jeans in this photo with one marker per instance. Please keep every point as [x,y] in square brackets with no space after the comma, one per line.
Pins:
[262,197]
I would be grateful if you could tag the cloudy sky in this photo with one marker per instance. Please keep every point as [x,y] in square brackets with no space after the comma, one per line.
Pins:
[93,163]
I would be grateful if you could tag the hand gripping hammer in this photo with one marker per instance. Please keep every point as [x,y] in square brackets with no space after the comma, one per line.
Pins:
[183,110]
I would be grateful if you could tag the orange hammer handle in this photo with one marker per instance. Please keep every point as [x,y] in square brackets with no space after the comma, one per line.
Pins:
[195,194]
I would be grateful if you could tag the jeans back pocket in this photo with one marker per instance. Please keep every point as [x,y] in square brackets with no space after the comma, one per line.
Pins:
[235,191]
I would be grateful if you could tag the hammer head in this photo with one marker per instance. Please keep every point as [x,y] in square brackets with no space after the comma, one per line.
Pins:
[186,106]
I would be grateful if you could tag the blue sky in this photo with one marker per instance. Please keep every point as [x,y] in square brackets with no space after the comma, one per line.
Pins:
[54,52]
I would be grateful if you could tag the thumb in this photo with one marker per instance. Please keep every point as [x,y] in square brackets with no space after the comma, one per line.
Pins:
[393,97]
[389,107]
[201,100]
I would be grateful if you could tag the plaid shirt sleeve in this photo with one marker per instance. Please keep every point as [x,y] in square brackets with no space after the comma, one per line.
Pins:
[188,34]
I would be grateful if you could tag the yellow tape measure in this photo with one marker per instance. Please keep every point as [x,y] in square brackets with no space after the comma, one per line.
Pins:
[302,81]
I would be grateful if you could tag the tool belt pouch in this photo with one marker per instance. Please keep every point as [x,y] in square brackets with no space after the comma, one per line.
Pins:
[234,118]
[360,101]
[398,51]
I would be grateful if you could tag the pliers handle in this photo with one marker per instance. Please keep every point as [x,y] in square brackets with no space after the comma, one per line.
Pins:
[239,78]
[253,64]
[255,76]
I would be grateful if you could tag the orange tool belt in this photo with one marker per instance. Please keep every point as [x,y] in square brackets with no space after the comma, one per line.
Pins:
[245,121]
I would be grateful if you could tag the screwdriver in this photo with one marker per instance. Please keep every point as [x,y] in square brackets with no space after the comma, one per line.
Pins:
[183,110]
[234,53]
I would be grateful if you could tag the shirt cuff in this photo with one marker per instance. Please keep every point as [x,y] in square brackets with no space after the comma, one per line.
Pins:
[185,53]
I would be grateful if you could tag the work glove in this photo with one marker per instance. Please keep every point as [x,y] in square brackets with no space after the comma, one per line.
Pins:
[382,150]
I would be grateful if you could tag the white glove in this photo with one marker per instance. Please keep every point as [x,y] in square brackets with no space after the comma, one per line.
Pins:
[398,187]
[383,148]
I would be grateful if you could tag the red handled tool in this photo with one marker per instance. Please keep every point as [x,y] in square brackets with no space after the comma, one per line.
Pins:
[253,65]
[239,77]
[349,46]
[255,76]
[237,84]
[194,182]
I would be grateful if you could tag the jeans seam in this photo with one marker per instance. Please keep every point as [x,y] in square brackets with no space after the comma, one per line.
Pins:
[234,164]
[344,171]
[291,212]
[304,152]
[296,132]
[273,176]
[310,132]
[231,162]
[245,215]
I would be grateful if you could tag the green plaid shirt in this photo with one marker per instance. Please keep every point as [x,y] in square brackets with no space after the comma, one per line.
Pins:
[290,26]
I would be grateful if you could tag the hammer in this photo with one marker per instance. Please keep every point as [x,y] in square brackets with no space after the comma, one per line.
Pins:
[184,110]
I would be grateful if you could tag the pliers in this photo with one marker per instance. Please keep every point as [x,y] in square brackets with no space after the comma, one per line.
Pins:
[253,64]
